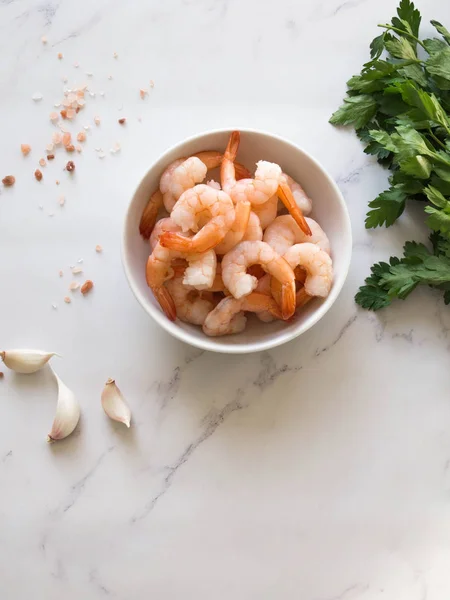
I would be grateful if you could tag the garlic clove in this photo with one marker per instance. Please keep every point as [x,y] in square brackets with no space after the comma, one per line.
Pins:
[114,403]
[67,413]
[26,361]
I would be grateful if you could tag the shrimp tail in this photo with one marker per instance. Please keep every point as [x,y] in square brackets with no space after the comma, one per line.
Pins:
[176,241]
[232,146]
[150,214]
[302,298]
[287,300]
[166,302]
[285,195]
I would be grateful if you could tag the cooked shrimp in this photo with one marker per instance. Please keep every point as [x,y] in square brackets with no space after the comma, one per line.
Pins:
[257,190]
[213,184]
[213,159]
[240,283]
[318,266]
[302,298]
[228,317]
[267,182]
[301,198]
[166,224]
[180,176]
[200,272]
[191,305]
[150,214]
[254,232]
[267,212]
[285,195]
[238,229]
[191,210]
[284,233]
[158,270]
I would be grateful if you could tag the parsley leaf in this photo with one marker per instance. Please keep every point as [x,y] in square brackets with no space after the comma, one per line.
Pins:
[387,207]
[377,46]
[371,295]
[442,30]
[409,18]
[356,111]
[438,64]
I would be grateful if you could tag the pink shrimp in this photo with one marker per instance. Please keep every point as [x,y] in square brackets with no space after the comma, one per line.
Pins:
[240,283]
[150,214]
[228,317]
[254,232]
[237,230]
[284,233]
[191,305]
[267,212]
[196,205]
[166,224]
[302,200]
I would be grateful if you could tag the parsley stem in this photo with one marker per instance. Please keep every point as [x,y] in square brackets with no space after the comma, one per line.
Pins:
[403,33]
[436,139]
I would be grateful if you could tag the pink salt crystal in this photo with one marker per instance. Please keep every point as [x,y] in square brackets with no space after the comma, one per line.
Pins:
[76,65]
[115,55]
[97,120]
[66,138]
[57,182]
[57,138]
[98,248]
[78,148]
[152,83]
[77,270]
[71,97]
[74,286]
[71,113]
[61,273]
[142,93]
[62,200]
[25,149]
[54,116]
[60,55]
[42,162]
[81,136]
[49,148]
[81,102]
[44,39]
[67,300]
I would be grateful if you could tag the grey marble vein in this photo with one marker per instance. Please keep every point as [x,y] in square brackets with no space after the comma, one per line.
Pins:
[339,336]
[212,422]
[270,372]
[7,455]
[77,488]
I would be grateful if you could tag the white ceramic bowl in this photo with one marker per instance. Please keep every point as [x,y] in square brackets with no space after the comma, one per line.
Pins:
[329,210]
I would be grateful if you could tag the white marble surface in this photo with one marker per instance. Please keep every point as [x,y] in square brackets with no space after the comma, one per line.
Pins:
[318,471]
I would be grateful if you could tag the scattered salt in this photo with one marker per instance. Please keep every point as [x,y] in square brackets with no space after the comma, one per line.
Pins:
[37,96]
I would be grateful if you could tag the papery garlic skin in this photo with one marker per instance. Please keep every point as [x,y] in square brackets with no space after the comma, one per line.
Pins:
[26,361]
[67,413]
[114,404]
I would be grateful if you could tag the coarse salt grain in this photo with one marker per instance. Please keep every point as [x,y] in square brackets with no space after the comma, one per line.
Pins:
[60,57]
[44,39]
[86,127]
[79,261]
[67,300]
[152,83]
[143,93]
[49,147]
[115,55]
[62,200]
[70,113]
[74,286]
[54,116]
[54,306]
[81,136]
[78,148]
[57,138]
[76,65]
[97,120]
[25,149]
[101,155]
[66,138]
[109,76]
[61,273]
[98,248]
[42,162]
[77,270]
[57,182]
[37,96]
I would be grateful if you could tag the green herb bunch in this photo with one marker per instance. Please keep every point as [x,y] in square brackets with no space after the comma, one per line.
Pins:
[399,106]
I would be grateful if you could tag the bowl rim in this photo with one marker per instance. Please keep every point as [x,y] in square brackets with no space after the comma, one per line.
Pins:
[211,343]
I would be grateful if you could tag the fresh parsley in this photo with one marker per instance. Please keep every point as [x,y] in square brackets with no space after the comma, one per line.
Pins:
[399,106]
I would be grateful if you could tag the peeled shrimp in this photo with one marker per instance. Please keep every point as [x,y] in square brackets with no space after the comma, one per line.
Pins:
[150,214]
[317,264]
[263,287]
[240,283]
[284,233]
[254,232]
[267,182]
[302,200]
[191,305]
[200,273]
[228,317]
[267,212]
[237,230]
[166,224]
[191,210]
[180,176]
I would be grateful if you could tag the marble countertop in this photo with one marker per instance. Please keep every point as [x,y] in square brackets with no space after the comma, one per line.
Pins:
[316,471]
